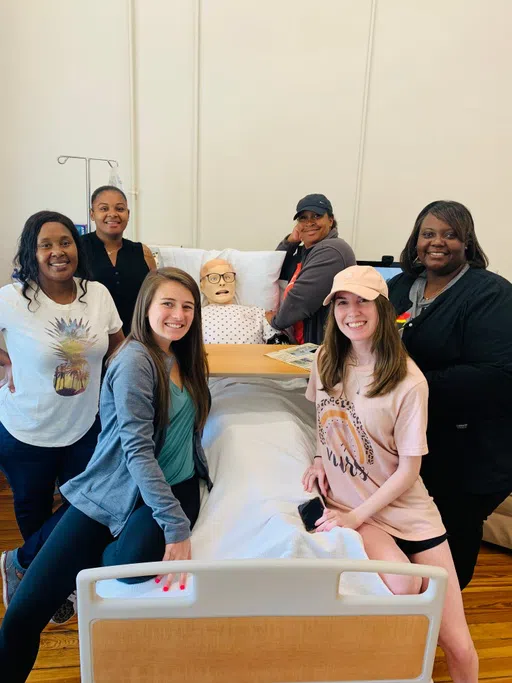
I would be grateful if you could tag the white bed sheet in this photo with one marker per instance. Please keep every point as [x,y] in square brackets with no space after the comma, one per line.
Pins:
[259,439]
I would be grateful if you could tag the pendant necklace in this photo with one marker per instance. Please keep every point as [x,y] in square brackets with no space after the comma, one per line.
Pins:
[435,294]
[355,363]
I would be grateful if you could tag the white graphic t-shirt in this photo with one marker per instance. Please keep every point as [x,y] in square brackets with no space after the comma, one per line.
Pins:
[234,324]
[360,440]
[56,352]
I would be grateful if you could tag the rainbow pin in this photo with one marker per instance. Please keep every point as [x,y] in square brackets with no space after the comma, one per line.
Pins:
[403,318]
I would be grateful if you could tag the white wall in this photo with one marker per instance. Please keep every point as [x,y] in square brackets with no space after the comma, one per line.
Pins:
[281,100]
[438,124]
[64,68]
[243,107]
[165,41]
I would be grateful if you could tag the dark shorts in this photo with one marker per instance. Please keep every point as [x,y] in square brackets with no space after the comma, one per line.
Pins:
[413,547]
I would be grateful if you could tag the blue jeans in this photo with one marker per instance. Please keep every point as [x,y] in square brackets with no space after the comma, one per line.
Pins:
[32,472]
[77,542]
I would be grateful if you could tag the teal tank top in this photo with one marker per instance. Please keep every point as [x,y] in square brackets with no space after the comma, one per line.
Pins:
[177,455]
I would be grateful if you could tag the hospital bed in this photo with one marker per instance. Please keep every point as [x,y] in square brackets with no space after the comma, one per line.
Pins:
[268,601]
[259,622]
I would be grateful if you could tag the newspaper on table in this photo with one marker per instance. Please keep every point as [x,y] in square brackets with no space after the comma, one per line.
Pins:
[299,356]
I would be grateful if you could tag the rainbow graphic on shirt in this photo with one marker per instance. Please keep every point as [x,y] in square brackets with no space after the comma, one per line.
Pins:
[344,437]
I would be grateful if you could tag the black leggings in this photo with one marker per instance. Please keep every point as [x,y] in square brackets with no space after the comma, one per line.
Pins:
[77,542]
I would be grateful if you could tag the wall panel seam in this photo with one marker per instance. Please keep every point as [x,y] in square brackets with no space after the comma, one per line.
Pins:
[364,121]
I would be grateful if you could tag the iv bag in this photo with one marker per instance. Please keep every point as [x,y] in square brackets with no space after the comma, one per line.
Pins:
[114,178]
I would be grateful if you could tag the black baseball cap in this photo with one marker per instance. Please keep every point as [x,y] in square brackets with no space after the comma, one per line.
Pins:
[314,202]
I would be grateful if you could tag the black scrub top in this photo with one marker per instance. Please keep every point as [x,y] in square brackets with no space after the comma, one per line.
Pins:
[123,280]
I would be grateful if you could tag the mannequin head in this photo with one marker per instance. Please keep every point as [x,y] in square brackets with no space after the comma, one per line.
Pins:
[219,291]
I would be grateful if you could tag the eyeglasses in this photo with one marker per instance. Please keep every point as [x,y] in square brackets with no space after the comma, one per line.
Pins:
[308,219]
[214,278]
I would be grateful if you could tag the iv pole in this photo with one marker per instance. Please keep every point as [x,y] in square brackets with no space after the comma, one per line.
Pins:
[111,162]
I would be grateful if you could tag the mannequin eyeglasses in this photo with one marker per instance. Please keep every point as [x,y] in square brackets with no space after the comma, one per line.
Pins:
[214,278]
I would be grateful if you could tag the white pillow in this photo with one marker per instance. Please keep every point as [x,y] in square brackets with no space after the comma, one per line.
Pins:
[257,272]
[189,260]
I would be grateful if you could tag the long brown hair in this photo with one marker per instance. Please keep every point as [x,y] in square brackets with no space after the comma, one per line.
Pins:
[189,351]
[390,354]
[460,220]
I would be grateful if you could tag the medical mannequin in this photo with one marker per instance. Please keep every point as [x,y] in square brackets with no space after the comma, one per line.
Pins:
[225,321]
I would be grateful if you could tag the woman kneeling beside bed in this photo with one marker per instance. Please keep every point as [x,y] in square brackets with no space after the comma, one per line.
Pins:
[371,403]
[139,496]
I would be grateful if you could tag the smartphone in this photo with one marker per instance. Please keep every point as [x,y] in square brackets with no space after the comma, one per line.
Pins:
[311,511]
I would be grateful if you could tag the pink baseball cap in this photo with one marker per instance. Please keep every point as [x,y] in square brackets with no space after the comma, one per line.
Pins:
[364,281]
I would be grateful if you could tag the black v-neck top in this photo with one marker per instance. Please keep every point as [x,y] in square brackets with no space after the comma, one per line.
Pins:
[463,345]
[123,280]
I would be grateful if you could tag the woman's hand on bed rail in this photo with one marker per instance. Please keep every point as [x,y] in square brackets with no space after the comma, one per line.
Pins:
[175,551]
[315,473]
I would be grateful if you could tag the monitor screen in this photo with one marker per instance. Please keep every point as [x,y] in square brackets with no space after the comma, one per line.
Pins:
[387,271]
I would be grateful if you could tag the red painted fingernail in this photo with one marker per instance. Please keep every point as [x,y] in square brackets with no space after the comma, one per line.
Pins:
[157,580]
[182,587]
[166,588]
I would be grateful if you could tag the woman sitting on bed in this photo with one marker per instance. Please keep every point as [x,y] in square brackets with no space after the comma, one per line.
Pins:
[225,322]
[371,402]
[139,496]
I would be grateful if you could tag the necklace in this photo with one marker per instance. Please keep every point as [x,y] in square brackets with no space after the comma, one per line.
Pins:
[73,295]
[112,251]
[358,390]
[354,362]
[437,292]
[358,385]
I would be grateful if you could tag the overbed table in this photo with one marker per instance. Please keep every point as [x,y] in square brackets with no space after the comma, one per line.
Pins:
[249,360]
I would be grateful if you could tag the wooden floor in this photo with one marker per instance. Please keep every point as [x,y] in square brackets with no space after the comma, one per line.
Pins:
[488,602]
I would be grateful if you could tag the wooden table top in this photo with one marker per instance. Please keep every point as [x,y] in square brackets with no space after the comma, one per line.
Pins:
[249,360]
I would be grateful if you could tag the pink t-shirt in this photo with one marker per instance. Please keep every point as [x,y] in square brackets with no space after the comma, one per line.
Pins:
[360,440]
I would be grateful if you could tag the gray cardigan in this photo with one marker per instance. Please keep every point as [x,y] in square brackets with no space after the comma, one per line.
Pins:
[320,263]
[124,464]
